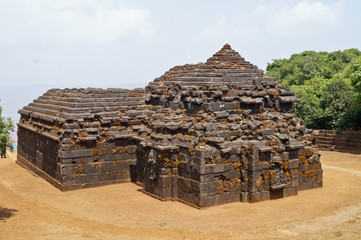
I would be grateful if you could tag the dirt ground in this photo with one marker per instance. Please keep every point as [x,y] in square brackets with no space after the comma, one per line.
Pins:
[31,208]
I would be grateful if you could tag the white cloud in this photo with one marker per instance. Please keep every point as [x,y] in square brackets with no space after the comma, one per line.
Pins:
[305,17]
[216,28]
[230,28]
[70,21]
[278,18]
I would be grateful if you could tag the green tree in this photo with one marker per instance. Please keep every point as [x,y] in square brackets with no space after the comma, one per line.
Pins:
[309,109]
[355,76]
[336,100]
[6,125]
[328,84]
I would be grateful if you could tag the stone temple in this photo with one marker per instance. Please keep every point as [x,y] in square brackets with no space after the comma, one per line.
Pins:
[204,134]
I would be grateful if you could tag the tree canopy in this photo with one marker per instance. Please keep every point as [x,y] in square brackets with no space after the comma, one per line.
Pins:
[6,125]
[328,84]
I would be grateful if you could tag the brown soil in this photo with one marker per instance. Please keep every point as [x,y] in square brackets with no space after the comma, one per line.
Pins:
[34,209]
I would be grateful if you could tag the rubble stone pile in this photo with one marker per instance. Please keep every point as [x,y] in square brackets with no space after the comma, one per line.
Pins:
[204,134]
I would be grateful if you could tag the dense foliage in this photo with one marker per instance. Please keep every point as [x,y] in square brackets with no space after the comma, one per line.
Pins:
[6,125]
[328,84]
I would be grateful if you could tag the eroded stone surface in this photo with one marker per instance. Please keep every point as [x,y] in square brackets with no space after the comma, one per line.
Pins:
[205,134]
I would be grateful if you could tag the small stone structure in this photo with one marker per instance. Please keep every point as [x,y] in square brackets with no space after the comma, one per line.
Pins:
[204,134]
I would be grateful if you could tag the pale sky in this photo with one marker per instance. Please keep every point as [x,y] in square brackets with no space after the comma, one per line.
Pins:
[95,43]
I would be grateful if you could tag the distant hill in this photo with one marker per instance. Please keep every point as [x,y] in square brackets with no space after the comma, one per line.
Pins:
[329,85]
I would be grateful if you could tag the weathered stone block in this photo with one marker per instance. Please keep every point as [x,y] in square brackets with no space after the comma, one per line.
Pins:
[293,164]
[66,169]
[232,174]
[217,168]
[76,153]
[207,178]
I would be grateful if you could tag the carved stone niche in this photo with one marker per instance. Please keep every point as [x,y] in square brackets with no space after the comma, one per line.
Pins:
[277,182]
[151,169]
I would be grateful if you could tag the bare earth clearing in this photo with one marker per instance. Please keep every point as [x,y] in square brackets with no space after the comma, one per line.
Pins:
[31,208]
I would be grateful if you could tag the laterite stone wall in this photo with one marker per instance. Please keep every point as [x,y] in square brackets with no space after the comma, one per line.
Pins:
[341,141]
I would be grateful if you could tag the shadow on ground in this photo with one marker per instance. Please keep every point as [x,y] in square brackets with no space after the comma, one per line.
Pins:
[6,213]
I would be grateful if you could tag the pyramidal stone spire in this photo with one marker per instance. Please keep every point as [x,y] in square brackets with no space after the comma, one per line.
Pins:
[228,58]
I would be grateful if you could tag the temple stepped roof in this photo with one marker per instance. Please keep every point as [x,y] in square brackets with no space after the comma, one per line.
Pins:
[61,105]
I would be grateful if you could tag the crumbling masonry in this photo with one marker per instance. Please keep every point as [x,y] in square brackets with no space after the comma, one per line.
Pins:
[204,134]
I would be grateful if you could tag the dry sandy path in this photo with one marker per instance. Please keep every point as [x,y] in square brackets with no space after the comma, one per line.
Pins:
[122,212]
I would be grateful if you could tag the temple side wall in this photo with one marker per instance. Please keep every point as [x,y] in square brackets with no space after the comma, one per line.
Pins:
[160,173]
[39,151]
[205,176]
[91,164]
[73,166]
